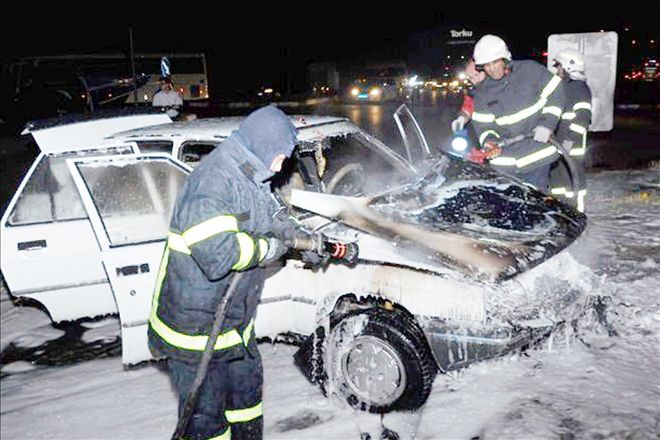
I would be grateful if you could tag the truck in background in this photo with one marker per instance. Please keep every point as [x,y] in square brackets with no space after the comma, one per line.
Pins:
[48,86]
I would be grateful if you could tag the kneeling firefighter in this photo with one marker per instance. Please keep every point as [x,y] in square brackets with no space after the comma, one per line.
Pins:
[223,223]
[517,98]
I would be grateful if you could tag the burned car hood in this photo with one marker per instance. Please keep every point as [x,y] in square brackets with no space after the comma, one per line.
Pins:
[464,216]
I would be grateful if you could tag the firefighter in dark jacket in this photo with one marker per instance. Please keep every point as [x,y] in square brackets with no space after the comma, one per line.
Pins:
[222,223]
[517,98]
[574,124]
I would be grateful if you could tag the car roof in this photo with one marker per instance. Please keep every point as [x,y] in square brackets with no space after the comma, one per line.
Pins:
[86,133]
[220,127]
[97,115]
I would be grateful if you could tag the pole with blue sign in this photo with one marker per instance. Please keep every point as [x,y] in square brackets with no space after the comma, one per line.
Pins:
[164,67]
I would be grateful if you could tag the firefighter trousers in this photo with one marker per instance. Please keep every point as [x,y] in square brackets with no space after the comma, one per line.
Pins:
[568,188]
[229,399]
[539,177]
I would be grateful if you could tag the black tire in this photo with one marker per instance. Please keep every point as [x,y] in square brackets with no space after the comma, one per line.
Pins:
[396,349]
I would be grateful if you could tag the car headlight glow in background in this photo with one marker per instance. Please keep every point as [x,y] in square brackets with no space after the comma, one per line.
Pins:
[375,92]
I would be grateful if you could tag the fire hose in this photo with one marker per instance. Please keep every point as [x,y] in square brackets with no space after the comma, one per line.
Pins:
[570,163]
[346,253]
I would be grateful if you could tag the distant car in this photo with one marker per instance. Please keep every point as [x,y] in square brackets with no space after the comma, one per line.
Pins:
[439,239]
[323,91]
[373,90]
[267,94]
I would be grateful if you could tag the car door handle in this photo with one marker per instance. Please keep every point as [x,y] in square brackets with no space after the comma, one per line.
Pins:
[133,269]
[32,245]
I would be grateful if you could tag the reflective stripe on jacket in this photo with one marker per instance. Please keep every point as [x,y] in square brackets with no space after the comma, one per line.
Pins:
[526,97]
[220,219]
[576,117]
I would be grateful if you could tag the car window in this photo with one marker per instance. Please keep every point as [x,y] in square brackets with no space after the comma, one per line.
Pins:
[355,166]
[137,192]
[50,194]
[193,152]
[155,146]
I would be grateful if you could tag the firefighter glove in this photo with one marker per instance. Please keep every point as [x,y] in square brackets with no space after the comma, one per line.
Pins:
[276,249]
[458,124]
[542,134]
[314,259]
[284,225]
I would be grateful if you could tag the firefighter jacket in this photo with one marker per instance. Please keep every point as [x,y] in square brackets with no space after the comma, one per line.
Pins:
[576,117]
[527,96]
[468,106]
[220,220]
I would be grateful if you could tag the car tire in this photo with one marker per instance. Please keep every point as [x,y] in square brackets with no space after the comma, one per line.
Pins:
[378,361]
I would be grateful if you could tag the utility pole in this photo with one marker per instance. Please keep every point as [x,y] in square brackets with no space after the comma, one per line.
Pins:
[135,92]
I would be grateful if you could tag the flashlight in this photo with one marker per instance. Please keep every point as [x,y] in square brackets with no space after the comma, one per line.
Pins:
[459,143]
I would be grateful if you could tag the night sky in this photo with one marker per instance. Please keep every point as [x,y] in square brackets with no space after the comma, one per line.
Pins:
[252,43]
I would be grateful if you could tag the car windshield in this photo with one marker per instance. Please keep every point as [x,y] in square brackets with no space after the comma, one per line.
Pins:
[349,164]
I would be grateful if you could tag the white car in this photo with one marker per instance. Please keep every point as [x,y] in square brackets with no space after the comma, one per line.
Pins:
[445,247]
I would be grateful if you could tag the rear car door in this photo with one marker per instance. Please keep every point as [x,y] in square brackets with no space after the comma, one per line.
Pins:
[48,250]
[129,201]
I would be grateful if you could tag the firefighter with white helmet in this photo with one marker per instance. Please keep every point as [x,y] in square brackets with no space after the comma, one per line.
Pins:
[574,124]
[571,63]
[516,98]
[490,48]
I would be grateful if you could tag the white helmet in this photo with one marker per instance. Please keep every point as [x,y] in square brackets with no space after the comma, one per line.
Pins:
[572,62]
[490,48]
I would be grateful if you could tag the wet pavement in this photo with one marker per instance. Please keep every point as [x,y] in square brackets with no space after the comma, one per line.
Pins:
[68,349]
[633,143]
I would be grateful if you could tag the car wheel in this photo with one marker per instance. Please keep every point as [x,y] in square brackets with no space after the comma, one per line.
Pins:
[379,361]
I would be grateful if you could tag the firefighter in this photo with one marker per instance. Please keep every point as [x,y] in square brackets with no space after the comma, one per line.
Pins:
[222,223]
[574,124]
[516,98]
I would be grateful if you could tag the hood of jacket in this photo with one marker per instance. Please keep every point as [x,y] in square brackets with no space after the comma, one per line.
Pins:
[267,133]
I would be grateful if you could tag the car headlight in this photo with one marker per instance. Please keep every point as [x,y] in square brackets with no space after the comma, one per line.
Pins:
[375,92]
[355,91]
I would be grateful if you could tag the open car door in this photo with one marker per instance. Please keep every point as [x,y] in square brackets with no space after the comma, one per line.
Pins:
[129,201]
[417,149]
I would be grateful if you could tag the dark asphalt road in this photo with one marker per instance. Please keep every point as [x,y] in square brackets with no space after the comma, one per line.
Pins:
[633,143]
